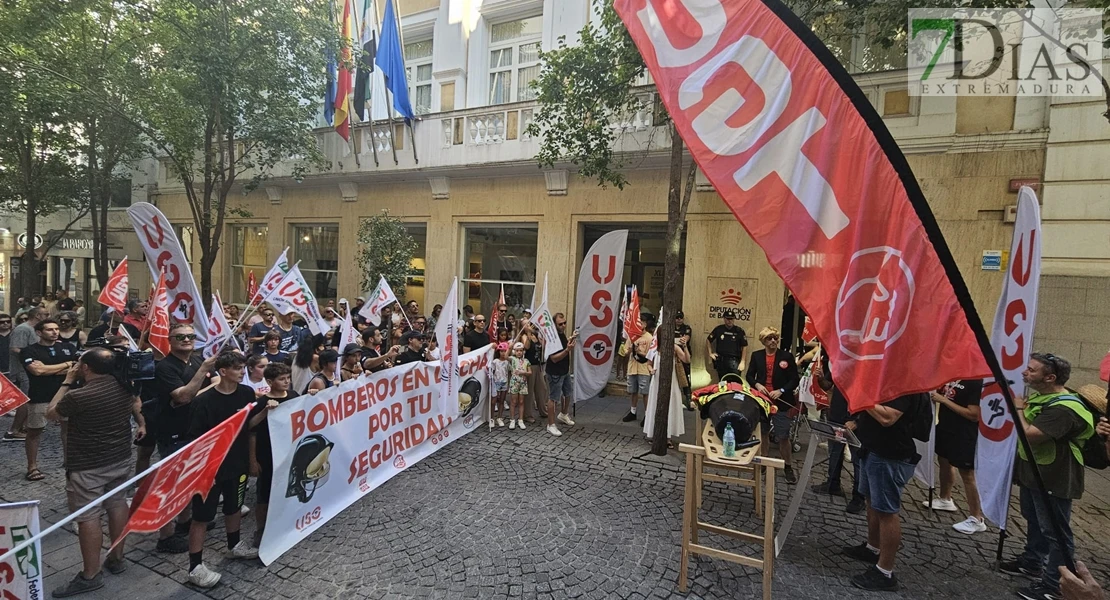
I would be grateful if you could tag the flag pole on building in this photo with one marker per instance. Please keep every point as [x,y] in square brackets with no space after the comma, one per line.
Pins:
[364,79]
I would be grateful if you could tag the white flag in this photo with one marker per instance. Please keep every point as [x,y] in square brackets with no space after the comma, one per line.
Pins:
[122,331]
[1017,311]
[545,325]
[926,469]
[273,277]
[294,295]
[447,331]
[19,522]
[218,329]
[543,297]
[595,312]
[381,297]
[347,335]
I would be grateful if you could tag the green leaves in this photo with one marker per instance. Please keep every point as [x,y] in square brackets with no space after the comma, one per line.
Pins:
[385,248]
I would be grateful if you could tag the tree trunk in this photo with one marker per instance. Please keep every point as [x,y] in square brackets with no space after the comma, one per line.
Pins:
[207,260]
[29,265]
[672,284]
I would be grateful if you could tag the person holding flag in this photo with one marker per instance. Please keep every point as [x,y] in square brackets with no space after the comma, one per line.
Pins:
[640,368]
[560,390]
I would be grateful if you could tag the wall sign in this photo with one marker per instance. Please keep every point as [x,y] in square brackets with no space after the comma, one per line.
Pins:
[723,293]
[992,260]
[22,240]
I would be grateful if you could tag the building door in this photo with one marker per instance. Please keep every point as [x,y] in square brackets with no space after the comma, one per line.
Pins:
[644,257]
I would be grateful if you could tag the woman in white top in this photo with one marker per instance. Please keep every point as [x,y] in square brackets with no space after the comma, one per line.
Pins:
[256,365]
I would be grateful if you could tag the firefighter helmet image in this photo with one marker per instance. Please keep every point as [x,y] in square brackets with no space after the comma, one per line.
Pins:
[470,395]
[310,467]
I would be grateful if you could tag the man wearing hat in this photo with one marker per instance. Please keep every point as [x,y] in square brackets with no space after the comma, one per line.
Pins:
[414,351]
[350,365]
[731,345]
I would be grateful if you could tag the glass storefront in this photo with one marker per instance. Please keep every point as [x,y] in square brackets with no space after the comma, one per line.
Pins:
[317,249]
[496,256]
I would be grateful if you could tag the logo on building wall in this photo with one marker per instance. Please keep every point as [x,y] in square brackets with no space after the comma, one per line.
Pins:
[725,293]
[731,297]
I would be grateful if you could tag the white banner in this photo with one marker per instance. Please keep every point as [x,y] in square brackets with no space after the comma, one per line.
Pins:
[219,331]
[273,277]
[545,325]
[447,336]
[294,295]
[347,335]
[595,313]
[20,575]
[163,253]
[370,428]
[381,297]
[1012,340]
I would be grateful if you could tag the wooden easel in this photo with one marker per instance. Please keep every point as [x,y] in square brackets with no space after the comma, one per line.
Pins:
[757,472]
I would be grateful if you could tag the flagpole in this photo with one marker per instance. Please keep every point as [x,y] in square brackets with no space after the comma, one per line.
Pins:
[354,77]
[401,39]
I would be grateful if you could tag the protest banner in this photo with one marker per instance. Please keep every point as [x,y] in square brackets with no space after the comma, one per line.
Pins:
[447,335]
[164,254]
[595,316]
[545,325]
[11,397]
[381,297]
[114,294]
[294,295]
[20,574]
[219,331]
[333,448]
[494,313]
[272,279]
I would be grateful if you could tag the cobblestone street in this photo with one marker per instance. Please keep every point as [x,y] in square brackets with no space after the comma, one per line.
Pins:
[511,514]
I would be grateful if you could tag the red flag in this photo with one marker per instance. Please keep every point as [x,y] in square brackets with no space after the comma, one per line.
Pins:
[809,332]
[493,323]
[252,285]
[633,327]
[11,397]
[343,82]
[806,165]
[160,317]
[114,294]
[186,473]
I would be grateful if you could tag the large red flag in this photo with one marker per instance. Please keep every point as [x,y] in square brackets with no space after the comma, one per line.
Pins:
[633,326]
[252,285]
[186,473]
[806,165]
[494,313]
[11,397]
[160,317]
[114,294]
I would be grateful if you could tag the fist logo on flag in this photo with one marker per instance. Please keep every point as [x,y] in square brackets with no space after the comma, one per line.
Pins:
[873,307]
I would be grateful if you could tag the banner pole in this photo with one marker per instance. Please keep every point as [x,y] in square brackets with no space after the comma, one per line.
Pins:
[998,552]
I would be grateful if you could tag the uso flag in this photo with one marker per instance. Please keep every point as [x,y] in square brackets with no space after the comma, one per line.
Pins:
[806,165]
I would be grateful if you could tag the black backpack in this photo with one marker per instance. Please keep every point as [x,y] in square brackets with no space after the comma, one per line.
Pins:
[922,426]
[1094,448]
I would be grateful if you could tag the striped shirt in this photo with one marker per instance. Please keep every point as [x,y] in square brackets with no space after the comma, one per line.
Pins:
[99,424]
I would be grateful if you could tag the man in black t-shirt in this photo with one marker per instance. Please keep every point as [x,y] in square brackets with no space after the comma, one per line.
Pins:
[46,364]
[957,433]
[477,336]
[559,389]
[415,350]
[889,456]
[731,346]
[211,408]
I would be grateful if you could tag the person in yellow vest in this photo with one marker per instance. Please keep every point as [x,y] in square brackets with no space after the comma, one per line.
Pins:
[1056,423]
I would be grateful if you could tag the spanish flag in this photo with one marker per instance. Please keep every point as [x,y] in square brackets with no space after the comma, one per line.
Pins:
[342,122]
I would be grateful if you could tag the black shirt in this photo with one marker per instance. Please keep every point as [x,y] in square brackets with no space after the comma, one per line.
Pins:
[4,350]
[263,451]
[730,340]
[214,407]
[964,393]
[560,367]
[169,374]
[368,353]
[475,339]
[409,356]
[894,442]
[98,332]
[534,353]
[43,387]
[683,329]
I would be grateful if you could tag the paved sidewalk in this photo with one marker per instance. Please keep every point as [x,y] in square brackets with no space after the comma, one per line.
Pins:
[509,514]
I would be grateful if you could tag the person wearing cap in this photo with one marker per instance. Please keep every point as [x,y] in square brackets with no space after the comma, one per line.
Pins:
[351,365]
[414,351]
[731,345]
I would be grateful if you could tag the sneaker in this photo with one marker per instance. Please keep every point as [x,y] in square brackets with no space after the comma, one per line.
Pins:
[203,577]
[948,505]
[244,511]
[970,525]
[824,488]
[855,506]
[629,417]
[1016,567]
[520,425]
[788,473]
[491,423]
[553,430]
[1039,592]
[172,545]
[873,580]
[243,550]
[512,424]
[115,566]
[501,422]
[861,553]
[79,585]
[564,419]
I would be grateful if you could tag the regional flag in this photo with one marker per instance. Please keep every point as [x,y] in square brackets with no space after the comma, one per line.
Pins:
[806,165]
[342,122]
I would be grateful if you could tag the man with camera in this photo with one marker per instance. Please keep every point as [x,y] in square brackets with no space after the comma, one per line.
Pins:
[98,458]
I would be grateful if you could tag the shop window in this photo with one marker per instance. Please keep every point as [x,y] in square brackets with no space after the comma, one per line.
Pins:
[248,253]
[496,256]
[317,249]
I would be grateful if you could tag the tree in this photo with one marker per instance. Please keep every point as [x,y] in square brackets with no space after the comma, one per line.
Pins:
[231,90]
[386,249]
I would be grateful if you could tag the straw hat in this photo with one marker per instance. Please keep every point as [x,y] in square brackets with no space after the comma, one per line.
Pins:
[1095,395]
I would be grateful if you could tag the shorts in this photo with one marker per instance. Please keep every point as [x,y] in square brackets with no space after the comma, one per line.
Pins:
[881,481]
[82,487]
[36,415]
[500,387]
[559,387]
[781,423]
[264,483]
[958,450]
[234,492]
[639,384]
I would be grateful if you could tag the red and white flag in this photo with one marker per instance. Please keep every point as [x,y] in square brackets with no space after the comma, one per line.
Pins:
[219,331]
[493,323]
[347,335]
[809,332]
[804,162]
[1012,340]
[294,295]
[190,471]
[447,332]
[164,255]
[633,326]
[159,319]
[272,279]
[381,297]
[595,312]
[11,397]
[114,294]
[252,285]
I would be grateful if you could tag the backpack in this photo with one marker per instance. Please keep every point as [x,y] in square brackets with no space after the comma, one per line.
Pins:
[1094,447]
[922,425]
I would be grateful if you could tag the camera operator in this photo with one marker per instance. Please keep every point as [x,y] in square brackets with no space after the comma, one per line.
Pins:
[98,457]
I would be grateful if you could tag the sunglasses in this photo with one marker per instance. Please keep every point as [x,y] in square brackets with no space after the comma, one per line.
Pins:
[185,337]
[1053,362]
[771,337]
[64,321]
[267,315]
[479,320]
[6,322]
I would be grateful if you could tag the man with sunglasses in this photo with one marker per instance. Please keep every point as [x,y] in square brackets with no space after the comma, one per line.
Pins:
[1056,423]
[477,336]
[46,363]
[257,335]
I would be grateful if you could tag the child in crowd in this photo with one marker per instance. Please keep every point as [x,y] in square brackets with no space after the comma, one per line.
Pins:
[499,373]
[518,384]
[279,379]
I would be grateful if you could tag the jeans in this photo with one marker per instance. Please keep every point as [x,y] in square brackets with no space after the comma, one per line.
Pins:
[836,464]
[1041,547]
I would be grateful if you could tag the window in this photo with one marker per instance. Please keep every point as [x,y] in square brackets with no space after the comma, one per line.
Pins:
[121,193]
[414,283]
[418,70]
[185,236]
[317,249]
[248,253]
[514,59]
[497,256]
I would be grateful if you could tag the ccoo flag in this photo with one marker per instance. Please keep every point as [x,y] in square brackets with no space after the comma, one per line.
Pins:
[806,165]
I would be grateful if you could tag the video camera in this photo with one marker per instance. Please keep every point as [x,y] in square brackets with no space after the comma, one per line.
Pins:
[132,366]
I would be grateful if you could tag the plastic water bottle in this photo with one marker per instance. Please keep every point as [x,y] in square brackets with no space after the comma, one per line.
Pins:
[730,441]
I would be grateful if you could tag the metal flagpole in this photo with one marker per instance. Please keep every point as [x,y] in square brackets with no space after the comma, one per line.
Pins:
[401,39]
[351,96]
